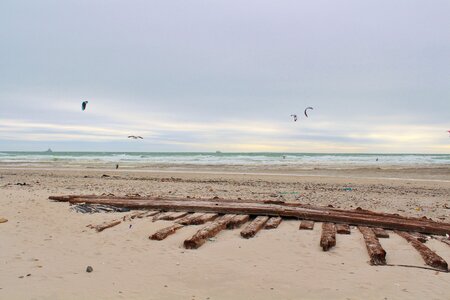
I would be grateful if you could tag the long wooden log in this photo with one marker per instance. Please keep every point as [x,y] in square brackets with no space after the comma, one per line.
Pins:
[68,198]
[342,228]
[238,221]
[173,216]
[357,211]
[165,232]
[273,223]
[206,217]
[406,224]
[380,233]
[376,252]
[256,225]
[328,239]
[187,220]
[106,225]
[306,225]
[207,232]
[430,257]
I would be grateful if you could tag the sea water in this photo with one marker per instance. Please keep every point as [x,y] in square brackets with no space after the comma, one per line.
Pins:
[213,158]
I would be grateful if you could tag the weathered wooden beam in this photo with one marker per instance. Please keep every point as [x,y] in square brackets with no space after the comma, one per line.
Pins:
[328,238]
[207,217]
[380,233]
[306,225]
[187,220]
[320,215]
[161,215]
[173,216]
[376,252]
[420,237]
[238,221]
[207,232]
[148,214]
[256,225]
[165,232]
[273,223]
[106,225]
[342,228]
[133,215]
[430,257]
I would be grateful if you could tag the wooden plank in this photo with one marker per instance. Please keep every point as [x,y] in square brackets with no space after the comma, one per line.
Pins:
[306,225]
[316,214]
[173,216]
[165,232]
[420,237]
[133,215]
[342,228]
[187,220]
[238,221]
[380,233]
[204,218]
[328,239]
[376,252]
[161,216]
[256,225]
[106,225]
[430,257]
[148,214]
[273,223]
[207,232]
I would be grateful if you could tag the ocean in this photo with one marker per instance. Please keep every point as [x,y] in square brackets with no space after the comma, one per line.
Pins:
[212,158]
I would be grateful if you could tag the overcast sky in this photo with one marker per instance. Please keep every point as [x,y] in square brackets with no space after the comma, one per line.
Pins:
[225,75]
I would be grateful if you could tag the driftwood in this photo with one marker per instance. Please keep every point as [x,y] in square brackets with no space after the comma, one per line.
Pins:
[328,239]
[173,216]
[430,257]
[238,221]
[256,225]
[420,237]
[205,218]
[342,228]
[376,252]
[306,225]
[161,216]
[187,220]
[150,214]
[165,232]
[133,215]
[207,232]
[380,233]
[273,223]
[105,225]
[320,214]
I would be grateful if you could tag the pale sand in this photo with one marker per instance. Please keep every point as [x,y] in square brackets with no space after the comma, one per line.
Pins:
[51,242]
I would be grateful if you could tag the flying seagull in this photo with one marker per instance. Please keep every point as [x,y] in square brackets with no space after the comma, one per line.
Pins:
[306,110]
[84,104]
[295,117]
[135,137]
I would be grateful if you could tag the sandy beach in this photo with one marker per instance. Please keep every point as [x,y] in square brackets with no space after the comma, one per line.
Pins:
[46,246]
